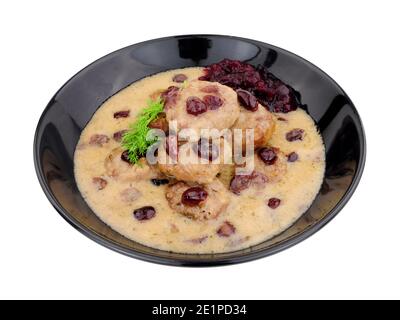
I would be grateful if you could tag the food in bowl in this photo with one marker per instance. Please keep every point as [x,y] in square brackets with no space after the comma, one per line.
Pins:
[147,169]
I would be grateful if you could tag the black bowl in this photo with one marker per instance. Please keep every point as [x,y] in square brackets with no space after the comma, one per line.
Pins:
[73,105]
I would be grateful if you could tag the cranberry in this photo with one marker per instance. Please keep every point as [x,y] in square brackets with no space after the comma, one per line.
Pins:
[159,182]
[195,106]
[210,89]
[119,134]
[193,196]
[240,183]
[171,146]
[274,203]
[179,78]
[125,156]
[268,155]
[292,157]
[213,102]
[100,183]
[99,139]
[169,96]
[295,134]
[121,114]
[226,229]
[144,213]
[247,100]
[206,149]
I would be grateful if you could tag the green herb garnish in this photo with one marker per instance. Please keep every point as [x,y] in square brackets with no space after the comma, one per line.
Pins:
[185,84]
[135,141]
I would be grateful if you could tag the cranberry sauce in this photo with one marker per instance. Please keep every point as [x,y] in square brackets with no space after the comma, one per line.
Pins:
[270,91]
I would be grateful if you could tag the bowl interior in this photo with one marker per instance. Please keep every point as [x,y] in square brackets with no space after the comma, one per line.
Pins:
[73,105]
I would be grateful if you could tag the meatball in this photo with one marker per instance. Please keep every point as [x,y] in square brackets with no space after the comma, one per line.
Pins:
[261,120]
[215,200]
[194,162]
[269,167]
[121,170]
[204,105]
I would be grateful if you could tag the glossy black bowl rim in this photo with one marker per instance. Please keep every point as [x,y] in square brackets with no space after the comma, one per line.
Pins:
[248,256]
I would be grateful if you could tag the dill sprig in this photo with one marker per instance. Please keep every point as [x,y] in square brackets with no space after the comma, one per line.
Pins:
[134,140]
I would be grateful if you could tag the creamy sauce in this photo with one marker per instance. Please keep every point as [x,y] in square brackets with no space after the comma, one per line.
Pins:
[253,219]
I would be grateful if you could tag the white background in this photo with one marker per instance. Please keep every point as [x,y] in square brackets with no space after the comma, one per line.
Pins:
[43,43]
